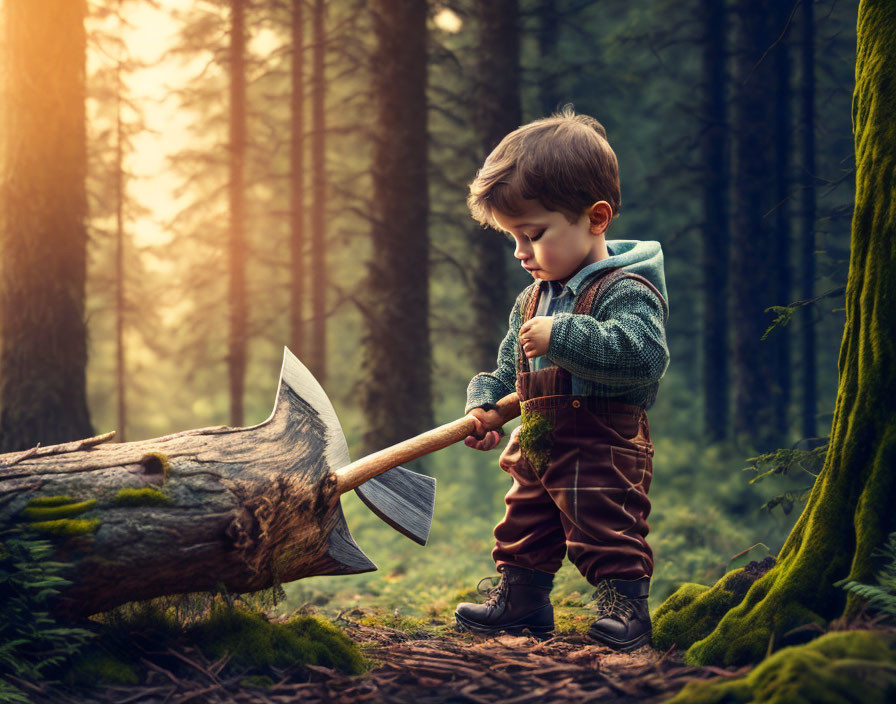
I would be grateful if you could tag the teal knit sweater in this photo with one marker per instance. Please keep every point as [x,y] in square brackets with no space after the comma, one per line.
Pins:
[618,351]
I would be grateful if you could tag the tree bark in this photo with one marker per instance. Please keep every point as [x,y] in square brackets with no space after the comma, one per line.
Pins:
[237,343]
[781,276]
[850,510]
[497,111]
[297,280]
[240,507]
[397,355]
[120,364]
[320,282]
[43,235]
[807,246]
[547,36]
[716,233]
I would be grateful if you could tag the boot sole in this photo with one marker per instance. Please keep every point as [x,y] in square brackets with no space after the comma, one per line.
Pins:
[623,646]
[512,628]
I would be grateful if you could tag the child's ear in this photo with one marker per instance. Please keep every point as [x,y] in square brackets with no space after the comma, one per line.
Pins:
[599,215]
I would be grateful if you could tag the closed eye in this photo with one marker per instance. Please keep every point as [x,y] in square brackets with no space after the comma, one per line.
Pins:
[536,237]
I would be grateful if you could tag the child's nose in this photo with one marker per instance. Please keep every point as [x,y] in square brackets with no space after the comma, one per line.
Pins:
[523,250]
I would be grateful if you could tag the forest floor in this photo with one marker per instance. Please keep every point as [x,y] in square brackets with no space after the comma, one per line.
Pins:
[423,667]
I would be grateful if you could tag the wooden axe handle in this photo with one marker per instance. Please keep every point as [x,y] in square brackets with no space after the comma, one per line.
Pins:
[358,472]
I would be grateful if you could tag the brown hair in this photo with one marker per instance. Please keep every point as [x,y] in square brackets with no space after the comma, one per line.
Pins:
[564,161]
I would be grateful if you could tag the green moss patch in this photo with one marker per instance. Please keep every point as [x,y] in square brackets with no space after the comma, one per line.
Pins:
[51,501]
[535,439]
[94,666]
[67,526]
[141,497]
[572,620]
[416,627]
[260,681]
[53,511]
[253,641]
[847,666]
[693,610]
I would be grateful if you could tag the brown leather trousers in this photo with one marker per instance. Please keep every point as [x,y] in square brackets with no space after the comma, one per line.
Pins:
[581,469]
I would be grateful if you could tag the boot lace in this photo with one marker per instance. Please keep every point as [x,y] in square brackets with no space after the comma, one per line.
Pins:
[493,592]
[610,603]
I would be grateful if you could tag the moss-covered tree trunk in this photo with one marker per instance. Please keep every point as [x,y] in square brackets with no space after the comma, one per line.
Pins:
[244,508]
[850,510]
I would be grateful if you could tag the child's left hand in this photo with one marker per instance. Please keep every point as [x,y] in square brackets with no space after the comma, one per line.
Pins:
[535,335]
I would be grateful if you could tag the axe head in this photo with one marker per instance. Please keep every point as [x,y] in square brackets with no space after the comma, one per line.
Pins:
[400,497]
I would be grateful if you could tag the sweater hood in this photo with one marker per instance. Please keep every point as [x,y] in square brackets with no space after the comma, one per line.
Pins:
[642,257]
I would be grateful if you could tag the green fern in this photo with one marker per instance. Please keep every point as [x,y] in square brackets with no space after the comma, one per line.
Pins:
[881,597]
[785,461]
[32,642]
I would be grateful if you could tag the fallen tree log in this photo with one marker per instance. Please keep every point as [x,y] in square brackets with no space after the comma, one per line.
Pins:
[240,507]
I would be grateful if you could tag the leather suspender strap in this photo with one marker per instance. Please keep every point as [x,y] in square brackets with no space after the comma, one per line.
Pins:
[522,362]
[532,303]
[596,289]
[599,287]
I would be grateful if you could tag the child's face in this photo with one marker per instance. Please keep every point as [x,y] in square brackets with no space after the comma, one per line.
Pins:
[550,247]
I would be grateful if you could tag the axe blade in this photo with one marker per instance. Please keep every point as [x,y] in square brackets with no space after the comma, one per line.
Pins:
[403,499]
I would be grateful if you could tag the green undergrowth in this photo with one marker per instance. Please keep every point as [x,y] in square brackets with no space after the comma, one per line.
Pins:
[845,666]
[33,643]
[413,627]
[253,642]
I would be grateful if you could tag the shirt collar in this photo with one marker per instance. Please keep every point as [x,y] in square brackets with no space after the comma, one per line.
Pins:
[576,283]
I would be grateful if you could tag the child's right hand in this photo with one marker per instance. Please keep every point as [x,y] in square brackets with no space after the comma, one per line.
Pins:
[486,434]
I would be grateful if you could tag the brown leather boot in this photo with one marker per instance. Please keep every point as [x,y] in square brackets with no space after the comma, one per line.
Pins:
[623,620]
[521,601]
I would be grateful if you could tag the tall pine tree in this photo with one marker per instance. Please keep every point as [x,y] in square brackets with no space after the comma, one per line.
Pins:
[43,233]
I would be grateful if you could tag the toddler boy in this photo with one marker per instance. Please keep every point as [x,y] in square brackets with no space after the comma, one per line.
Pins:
[585,351]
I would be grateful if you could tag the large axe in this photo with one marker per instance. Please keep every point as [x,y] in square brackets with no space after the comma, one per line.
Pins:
[400,497]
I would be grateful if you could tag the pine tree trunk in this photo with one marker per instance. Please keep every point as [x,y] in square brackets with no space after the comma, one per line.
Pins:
[547,37]
[497,111]
[397,397]
[778,341]
[807,246]
[716,235]
[43,235]
[120,368]
[753,243]
[850,510]
[237,246]
[318,358]
[298,278]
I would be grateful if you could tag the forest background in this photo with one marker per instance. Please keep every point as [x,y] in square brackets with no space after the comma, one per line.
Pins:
[260,174]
